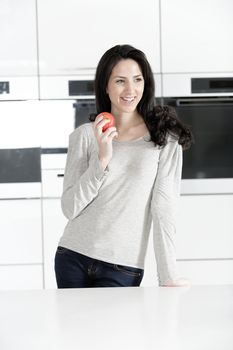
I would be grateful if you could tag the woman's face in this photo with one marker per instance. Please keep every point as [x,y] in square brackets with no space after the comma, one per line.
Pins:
[125,86]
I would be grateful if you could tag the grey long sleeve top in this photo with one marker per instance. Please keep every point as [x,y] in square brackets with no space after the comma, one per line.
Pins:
[110,211]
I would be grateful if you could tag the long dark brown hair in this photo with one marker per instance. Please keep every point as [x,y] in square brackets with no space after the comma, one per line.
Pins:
[160,120]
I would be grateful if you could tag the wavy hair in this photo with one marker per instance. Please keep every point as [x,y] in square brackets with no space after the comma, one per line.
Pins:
[160,120]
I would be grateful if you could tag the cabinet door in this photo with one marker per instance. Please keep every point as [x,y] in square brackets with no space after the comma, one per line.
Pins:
[205,227]
[14,277]
[203,272]
[20,231]
[53,226]
[196,36]
[82,30]
[204,241]
[18,50]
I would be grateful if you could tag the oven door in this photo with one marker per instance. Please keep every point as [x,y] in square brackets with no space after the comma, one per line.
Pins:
[208,165]
[83,109]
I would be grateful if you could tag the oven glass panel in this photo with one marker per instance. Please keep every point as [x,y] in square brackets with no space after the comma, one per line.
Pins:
[212,154]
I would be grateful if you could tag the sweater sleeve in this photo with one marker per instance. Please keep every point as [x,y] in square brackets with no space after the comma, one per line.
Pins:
[165,196]
[83,174]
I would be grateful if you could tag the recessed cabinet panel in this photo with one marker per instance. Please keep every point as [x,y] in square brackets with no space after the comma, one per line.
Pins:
[20,231]
[197,36]
[82,30]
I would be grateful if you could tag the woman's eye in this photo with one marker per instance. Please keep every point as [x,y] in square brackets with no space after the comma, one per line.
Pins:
[120,81]
[138,79]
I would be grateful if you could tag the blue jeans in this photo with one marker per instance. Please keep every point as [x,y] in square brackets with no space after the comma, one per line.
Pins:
[74,270]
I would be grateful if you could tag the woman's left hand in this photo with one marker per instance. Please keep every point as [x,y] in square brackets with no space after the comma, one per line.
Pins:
[180,282]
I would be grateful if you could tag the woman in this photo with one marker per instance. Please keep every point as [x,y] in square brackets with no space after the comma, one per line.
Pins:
[117,181]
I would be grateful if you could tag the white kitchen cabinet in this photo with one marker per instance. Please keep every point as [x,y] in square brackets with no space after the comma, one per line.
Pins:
[204,241]
[204,238]
[18,63]
[73,34]
[21,277]
[207,272]
[82,31]
[53,219]
[196,36]
[53,226]
[21,261]
[21,231]
[45,124]
[198,271]
[205,227]
[55,120]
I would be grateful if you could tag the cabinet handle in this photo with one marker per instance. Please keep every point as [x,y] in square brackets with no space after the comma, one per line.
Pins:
[60,175]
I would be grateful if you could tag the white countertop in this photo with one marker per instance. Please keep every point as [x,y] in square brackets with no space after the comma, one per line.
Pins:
[145,318]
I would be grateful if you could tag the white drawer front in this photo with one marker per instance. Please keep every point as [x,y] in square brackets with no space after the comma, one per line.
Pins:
[207,272]
[52,183]
[53,161]
[20,231]
[21,277]
[20,190]
[205,227]
[53,226]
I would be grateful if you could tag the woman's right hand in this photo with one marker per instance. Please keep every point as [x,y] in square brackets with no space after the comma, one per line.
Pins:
[104,140]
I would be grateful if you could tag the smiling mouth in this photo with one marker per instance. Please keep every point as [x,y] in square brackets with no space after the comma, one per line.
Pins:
[128,99]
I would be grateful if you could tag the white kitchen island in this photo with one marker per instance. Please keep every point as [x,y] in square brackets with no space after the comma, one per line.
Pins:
[145,318]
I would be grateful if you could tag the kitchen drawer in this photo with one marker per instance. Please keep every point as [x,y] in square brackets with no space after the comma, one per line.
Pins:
[205,227]
[201,272]
[20,190]
[53,161]
[21,277]
[212,271]
[207,272]
[20,231]
[52,183]
[54,223]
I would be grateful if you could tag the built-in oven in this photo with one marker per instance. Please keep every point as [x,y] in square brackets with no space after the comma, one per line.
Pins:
[208,164]
[83,91]
[204,103]
[82,110]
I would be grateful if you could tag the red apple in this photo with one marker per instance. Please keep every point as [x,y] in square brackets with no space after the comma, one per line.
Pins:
[111,119]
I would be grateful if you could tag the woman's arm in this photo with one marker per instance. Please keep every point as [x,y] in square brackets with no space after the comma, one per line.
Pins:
[83,176]
[164,205]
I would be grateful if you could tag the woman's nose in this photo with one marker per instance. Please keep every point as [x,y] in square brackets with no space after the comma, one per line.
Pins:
[129,87]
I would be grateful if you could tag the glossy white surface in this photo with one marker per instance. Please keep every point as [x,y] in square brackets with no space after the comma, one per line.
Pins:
[207,186]
[21,277]
[199,318]
[20,232]
[195,50]
[80,33]
[205,227]
[179,84]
